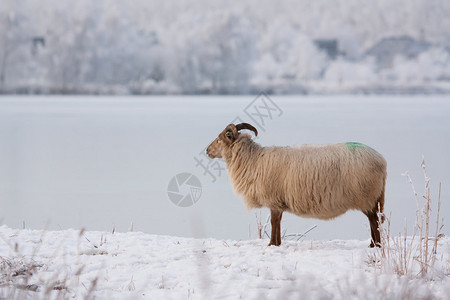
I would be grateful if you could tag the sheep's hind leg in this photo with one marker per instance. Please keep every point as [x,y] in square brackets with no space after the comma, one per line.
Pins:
[275,220]
[374,227]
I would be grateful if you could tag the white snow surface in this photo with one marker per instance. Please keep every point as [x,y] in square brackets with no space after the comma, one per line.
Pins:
[135,265]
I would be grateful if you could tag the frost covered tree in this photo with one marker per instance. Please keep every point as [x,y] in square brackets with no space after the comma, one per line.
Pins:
[11,37]
[214,53]
[205,46]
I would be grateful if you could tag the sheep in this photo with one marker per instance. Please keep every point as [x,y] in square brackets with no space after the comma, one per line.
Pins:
[313,181]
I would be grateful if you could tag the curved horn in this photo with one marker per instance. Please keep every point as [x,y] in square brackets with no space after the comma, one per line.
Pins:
[246,126]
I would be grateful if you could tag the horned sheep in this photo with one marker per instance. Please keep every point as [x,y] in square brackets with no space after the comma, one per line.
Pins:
[315,181]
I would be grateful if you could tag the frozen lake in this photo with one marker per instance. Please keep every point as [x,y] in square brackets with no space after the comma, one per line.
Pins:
[106,162]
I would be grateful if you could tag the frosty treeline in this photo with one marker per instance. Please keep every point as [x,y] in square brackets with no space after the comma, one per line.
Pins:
[168,46]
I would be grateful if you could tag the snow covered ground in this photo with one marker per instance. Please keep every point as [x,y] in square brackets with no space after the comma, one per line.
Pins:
[105,162]
[135,265]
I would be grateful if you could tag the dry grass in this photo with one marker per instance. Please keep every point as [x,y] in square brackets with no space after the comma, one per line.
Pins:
[15,277]
[21,275]
[415,255]
[261,230]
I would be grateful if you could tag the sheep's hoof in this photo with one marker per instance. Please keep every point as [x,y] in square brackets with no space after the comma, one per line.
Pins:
[372,245]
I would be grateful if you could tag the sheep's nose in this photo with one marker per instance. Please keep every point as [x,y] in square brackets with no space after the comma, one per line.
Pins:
[208,152]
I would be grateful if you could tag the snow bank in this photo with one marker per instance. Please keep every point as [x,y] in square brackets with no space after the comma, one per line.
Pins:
[141,266]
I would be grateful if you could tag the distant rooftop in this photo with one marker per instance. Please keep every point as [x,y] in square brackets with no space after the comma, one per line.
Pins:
[330,46]
[386,49]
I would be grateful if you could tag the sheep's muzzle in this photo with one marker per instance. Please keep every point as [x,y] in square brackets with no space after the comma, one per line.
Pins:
[212,151]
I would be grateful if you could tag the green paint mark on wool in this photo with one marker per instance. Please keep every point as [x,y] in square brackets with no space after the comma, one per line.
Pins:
[353,145]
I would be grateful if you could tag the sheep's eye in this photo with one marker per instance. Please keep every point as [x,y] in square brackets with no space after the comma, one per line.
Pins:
[228,134]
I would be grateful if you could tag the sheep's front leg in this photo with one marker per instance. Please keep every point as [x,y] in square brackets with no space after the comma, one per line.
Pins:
[275,220]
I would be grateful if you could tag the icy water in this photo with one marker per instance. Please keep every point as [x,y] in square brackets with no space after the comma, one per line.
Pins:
[107,162]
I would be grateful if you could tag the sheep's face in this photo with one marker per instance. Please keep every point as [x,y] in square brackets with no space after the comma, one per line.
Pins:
[222,142]
[226,138]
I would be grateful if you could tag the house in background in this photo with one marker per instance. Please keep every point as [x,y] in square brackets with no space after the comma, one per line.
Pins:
[37,42]
[387,49]
[329,46]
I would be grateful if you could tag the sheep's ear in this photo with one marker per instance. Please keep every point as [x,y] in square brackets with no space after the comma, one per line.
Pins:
[229,134]
[246,126]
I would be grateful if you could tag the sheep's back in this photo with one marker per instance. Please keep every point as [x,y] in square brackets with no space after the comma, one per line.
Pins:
[320,181]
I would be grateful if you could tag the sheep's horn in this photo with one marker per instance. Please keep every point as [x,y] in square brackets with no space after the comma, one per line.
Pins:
[246,126]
